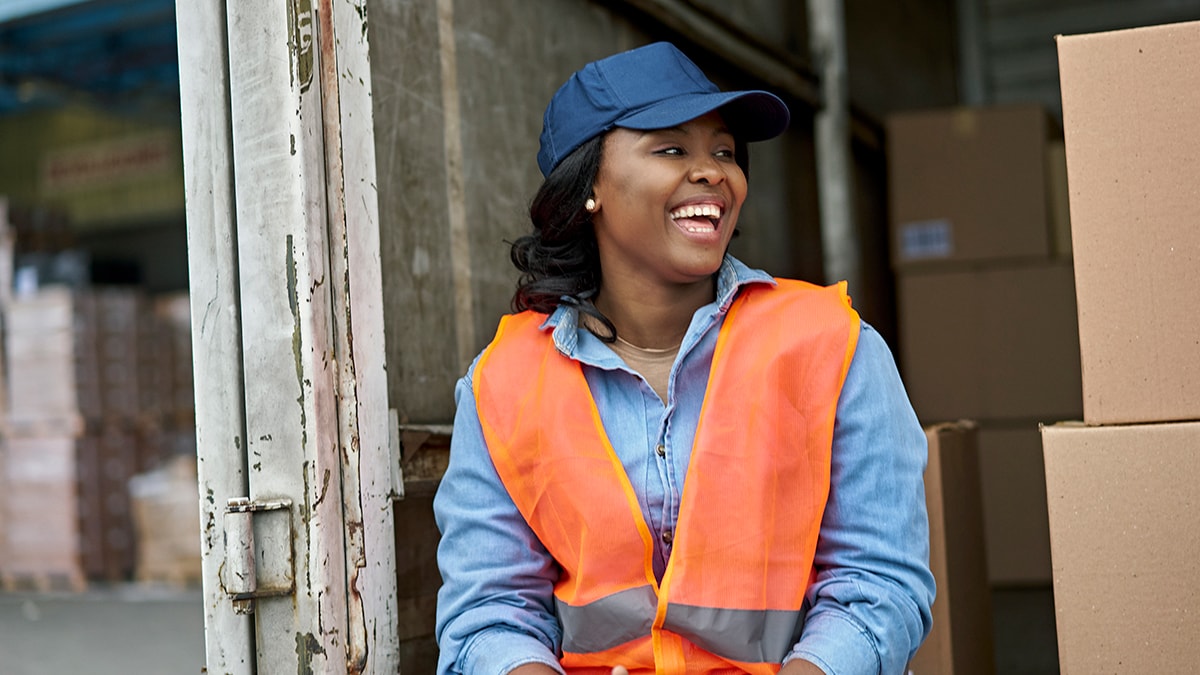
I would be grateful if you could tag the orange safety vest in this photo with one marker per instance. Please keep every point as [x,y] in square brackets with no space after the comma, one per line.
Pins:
[731,598]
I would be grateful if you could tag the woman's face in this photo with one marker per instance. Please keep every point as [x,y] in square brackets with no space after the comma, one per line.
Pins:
[668,201]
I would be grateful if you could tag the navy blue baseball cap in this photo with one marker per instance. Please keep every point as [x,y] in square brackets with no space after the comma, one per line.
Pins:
[651,87]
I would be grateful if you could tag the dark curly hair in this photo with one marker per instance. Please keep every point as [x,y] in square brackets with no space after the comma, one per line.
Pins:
[559,260]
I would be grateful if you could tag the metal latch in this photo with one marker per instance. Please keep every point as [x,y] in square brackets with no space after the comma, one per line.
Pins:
[258,551]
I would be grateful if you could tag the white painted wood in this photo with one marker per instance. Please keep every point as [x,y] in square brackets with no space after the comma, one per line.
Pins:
[216,332]
[291,390]
[372,633]
[279,139]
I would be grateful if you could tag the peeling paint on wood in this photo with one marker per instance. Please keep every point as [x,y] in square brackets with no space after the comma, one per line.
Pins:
[293,297]
[307,646]
[300,42]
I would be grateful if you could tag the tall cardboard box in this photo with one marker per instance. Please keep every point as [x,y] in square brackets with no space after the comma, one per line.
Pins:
[998,343]
[960,642]
[1131,113]
[1125,544]
[969,184]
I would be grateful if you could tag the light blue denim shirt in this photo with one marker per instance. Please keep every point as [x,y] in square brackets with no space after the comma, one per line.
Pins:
[870,603]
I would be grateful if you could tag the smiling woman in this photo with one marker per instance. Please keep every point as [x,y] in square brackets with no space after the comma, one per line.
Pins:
[666,461]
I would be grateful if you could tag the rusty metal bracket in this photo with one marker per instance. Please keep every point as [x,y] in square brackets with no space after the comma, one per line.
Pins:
[258,566]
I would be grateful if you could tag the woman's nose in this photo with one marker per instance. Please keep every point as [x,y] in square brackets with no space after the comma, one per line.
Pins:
[707,170]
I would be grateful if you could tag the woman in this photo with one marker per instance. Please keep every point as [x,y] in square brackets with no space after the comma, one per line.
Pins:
[666,461]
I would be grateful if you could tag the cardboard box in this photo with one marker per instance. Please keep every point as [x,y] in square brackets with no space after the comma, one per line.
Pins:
[84,356]
[1016,524]
[166,516]
[1131,111]
[66,504]
[39,496]
[1125,542]
[52,375]
[999,343]
[961,638]
[969,184]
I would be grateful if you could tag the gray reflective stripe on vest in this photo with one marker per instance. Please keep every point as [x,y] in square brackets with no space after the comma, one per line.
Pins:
[608,622]
[747,635]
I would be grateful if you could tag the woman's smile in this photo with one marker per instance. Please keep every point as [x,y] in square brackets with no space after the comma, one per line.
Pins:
[699,218]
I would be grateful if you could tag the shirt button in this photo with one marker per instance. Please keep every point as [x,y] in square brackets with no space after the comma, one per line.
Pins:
[661,450]
[668,537]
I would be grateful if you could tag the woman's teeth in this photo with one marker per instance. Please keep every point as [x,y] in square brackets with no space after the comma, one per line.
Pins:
[709,211]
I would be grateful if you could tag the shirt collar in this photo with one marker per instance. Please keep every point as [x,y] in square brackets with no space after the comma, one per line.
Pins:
[731,278]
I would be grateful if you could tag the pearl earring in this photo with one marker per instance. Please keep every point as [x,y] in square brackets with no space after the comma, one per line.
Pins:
[590,205]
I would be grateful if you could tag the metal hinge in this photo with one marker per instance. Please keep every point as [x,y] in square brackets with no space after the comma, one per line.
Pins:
[258,551]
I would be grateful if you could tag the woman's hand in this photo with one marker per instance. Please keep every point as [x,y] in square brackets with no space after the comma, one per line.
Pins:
[619,670]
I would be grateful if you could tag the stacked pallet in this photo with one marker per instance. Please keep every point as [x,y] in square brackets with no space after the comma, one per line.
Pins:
[89,409]
[52,387]
[166,519]
[165,498]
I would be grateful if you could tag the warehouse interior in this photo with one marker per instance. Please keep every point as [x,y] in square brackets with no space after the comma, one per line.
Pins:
[954,111]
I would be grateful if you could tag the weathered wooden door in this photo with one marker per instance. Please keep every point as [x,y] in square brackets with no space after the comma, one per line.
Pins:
[296,475]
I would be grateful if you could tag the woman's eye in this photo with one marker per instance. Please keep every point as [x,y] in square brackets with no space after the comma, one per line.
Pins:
[673,150]
[724,154]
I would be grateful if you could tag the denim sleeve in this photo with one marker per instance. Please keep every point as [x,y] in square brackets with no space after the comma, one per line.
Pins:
[495,607]
[870,602]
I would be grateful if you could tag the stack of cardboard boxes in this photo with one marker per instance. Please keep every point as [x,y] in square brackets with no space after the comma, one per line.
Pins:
[165,499]
[981,250]
[166,520]
[76,430]
[52,385]
[1124,485]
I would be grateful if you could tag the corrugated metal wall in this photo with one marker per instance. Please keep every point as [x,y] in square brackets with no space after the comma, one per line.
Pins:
[1017,39]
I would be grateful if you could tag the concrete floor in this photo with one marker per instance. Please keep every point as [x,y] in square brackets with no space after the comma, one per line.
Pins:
[138,629]
[105,631]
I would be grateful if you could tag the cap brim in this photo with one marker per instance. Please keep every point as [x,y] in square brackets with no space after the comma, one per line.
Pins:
[751,115]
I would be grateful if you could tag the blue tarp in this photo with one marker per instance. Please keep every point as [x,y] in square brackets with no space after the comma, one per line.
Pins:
[107,53]
[19,9]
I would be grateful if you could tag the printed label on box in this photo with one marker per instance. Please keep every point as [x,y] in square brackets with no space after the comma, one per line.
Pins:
[924,239]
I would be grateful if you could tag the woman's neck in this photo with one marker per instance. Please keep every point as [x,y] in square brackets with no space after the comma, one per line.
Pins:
[653,318]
